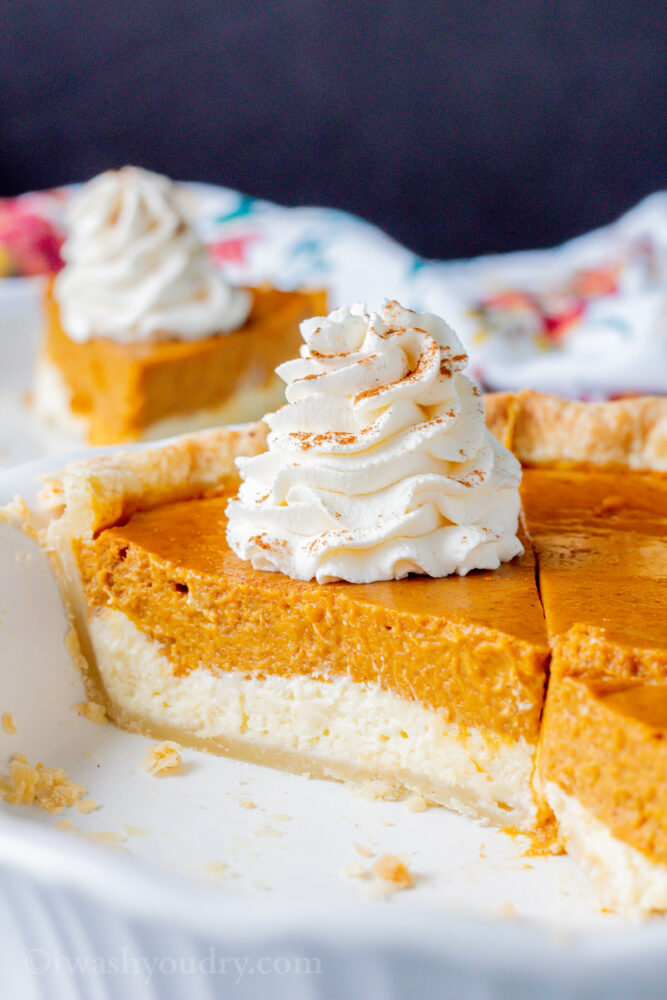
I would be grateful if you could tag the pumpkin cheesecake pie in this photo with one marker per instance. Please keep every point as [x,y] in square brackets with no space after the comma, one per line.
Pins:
[415,682]
[221,591]
[143,336]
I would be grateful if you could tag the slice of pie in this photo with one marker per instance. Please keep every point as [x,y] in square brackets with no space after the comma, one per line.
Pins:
[595,511]
[108,392]
[432,686]
[429,685]
[144,337]
[600,539]
[603,764]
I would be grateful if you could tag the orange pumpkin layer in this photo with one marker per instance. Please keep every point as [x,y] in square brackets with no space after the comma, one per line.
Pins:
[122,389]
[606,744]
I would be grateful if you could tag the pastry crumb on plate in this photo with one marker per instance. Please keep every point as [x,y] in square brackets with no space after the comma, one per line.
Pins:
[365,852]
[8,723]
[85,806]
[163,758]
[353,869]
[417,803]
[93,711]
[390,869]
[217,869]
[48,787]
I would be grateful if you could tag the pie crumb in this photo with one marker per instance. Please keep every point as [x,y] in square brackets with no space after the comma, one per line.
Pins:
[110,838]
[86,806]
[135,831]
[391,870]
[48,787]
[17,512]
[507,909]
[247,804]
[163,758]
[364,851]
[353,869]
[67,825]
[93,711]
[8,723]
[418,804]
[268,831]
[219,869]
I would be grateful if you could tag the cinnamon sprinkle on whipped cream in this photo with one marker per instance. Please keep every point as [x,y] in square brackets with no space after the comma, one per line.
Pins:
[380,463]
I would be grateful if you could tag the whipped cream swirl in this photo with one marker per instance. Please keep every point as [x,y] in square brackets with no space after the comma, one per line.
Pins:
[380,464]
[135,270]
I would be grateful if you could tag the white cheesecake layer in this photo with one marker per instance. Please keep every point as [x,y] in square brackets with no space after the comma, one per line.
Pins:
[624,879]
[248,402]
[338,728]
[51,402]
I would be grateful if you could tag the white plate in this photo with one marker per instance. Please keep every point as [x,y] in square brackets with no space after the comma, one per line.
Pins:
[483,919]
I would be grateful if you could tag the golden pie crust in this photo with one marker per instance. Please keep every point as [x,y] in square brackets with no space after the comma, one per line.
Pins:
[547,430]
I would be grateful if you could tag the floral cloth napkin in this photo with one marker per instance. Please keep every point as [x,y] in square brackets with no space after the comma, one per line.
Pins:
[587,319]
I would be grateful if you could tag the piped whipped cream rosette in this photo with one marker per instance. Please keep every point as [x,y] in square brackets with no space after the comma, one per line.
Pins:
[135,269]
[380,463]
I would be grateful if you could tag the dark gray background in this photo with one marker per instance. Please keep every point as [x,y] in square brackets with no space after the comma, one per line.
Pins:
[460,127]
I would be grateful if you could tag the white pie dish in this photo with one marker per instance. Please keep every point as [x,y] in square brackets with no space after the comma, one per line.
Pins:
[72,907]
